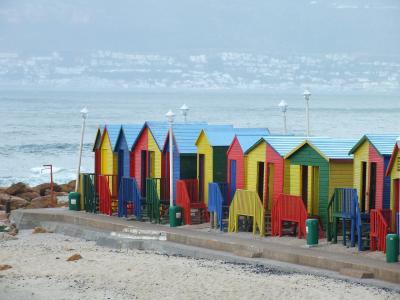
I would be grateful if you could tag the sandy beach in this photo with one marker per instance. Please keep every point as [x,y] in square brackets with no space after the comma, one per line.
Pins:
[40,270]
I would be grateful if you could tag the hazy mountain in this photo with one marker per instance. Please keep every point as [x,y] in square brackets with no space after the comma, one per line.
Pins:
[279,46]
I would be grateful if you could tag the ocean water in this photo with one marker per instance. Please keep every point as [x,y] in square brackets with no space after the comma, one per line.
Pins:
[38,128]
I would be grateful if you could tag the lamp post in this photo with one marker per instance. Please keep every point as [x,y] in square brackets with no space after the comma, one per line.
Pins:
[84,114]
[307,95]
[184,110]
[283,106]
[170,117]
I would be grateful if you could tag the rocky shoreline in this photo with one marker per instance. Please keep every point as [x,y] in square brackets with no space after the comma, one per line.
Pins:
[20,195]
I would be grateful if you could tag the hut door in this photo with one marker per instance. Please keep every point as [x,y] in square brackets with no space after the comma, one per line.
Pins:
[372,187]
[363,185]
[151,166]
[97,166]
[165,174]
[304,184]
[270,185]
[201,177]
[260,180]
[120,166]
[143,172]
[315,190]
[233,178]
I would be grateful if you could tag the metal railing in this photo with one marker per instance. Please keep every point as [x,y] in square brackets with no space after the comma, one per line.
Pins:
[288,208]
[129,198]
[379,230]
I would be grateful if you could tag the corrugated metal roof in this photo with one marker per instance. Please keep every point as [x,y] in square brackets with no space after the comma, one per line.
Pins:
[284,144]
[219,135]
[159,131]
[113,132]
[223,135]
[247,141]
[185,135]
[383,143]
[252,131]
[130,132]
[334,148]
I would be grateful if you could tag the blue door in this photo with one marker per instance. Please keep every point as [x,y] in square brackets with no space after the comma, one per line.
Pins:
[120,166]
[233,178]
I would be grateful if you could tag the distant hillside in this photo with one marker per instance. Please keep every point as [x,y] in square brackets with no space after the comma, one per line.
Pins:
[107,70]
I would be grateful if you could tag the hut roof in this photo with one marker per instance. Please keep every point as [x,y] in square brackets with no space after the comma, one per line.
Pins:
[185,135]
[329,148]
[247,141]
[281,144]
[113,132]
[222,135]
[383,143]
[218,135]
[130,132]
[159,131]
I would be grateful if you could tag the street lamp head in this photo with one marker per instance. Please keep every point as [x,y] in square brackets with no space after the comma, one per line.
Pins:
[184,109]
[283,106]
[170,116]
[307,94]
[84,113]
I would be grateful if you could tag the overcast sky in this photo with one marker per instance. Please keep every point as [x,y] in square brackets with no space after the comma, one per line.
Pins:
[170,26]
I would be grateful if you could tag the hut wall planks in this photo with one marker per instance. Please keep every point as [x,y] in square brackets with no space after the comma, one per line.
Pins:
[136,157]
[235,153]
[255,156]
[204,148]
[375,157]
[360,156]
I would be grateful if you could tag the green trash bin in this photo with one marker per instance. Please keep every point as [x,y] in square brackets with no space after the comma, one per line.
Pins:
[392,248]
[175,216]
[312,232]
[74,201]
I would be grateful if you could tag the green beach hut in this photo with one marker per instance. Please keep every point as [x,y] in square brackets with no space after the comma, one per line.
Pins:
[318,166]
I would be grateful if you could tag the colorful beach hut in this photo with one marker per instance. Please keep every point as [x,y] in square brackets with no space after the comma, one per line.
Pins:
[237,167]
[107,180]
[212,144]
[146,153]
[371,158]
[109,160]
[185,152]
[125,140]
[393,171]
[317,167]
[268,172]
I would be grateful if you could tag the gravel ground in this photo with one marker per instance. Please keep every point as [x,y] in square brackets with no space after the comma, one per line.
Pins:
[40,270]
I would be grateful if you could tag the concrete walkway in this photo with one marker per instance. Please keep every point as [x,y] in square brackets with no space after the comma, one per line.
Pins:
[290,250]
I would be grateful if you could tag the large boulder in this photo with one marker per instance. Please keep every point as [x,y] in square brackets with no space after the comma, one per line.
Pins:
[45,187]
[29,195]
[40,202]
[67,187]
[16,202]
[18,188]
